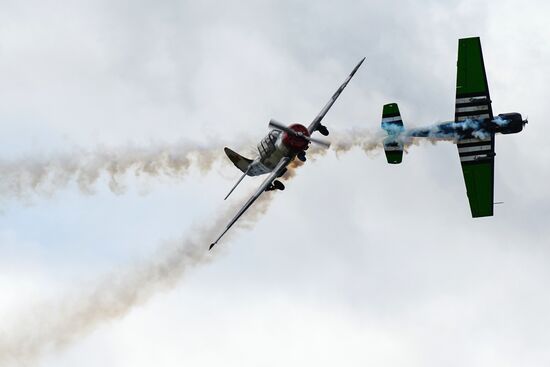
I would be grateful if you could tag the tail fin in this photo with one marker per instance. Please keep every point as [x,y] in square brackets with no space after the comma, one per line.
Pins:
[239,161]
[392,123]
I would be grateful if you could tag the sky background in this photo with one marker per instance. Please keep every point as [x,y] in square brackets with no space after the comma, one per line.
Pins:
[357,262]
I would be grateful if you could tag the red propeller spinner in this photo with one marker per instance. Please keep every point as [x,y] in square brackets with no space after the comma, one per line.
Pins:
[295,141]
[296,136]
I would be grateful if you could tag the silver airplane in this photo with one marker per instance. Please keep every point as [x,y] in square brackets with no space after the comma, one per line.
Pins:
[280,147]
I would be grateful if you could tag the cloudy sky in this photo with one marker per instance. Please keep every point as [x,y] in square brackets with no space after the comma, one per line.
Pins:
[356,263]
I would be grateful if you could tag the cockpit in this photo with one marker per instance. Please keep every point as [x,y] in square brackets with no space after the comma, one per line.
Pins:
[267,145]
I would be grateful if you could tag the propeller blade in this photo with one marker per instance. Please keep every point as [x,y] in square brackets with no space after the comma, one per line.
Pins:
[279,126]
[324,144]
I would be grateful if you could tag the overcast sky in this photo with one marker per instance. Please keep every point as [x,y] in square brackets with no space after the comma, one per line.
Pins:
[357,262]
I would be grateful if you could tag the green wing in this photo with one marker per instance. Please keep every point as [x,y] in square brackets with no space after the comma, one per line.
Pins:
[477,156]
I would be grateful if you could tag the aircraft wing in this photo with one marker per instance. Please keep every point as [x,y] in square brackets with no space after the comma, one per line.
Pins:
[268,181]
[317,121]
[477,155]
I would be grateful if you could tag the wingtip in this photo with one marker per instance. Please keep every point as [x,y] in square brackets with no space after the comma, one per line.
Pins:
[358,65]
[212,245]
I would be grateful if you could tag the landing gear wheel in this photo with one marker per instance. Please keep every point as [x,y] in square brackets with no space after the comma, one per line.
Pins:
[323,130]
[301,156]
[278,185]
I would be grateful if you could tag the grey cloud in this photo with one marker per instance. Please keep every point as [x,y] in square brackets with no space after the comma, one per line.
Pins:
[392,249]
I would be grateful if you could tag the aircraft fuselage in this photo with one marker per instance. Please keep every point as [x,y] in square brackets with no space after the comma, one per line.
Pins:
[276,145]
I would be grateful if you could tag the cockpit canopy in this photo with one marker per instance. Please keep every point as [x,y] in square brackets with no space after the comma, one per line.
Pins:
[267,145]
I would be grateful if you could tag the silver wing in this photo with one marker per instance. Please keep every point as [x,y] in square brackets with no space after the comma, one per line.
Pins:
[317,120]
[268,181]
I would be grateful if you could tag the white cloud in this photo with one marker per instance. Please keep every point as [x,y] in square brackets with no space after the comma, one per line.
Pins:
[357,262]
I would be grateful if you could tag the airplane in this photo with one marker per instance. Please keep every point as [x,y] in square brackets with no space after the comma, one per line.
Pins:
[277,150]
[474,125]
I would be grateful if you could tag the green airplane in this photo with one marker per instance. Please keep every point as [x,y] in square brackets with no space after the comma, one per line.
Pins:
[473,129]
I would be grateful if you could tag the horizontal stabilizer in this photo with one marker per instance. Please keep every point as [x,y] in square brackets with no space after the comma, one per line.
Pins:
[238,160]
[393,125]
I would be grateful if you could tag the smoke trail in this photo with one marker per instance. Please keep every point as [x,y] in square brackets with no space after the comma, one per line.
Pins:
[368,141]
[46,175]
[451,130]
[342,142]
[51,327]
[372,142]
[446,131]
[56,325]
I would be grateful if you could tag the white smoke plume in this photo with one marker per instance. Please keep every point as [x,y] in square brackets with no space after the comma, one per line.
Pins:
[445,131]
[25,178]
[46,175]
[52,326]
[368,141]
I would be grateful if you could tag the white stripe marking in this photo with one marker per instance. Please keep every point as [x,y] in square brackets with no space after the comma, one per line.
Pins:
[470,99]
[473,157]
[474,149]
[465,141]
[473,117]
[473,108]
[391,119]
[393,149]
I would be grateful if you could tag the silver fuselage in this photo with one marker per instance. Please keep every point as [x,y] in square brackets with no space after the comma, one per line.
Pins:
[271,150]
